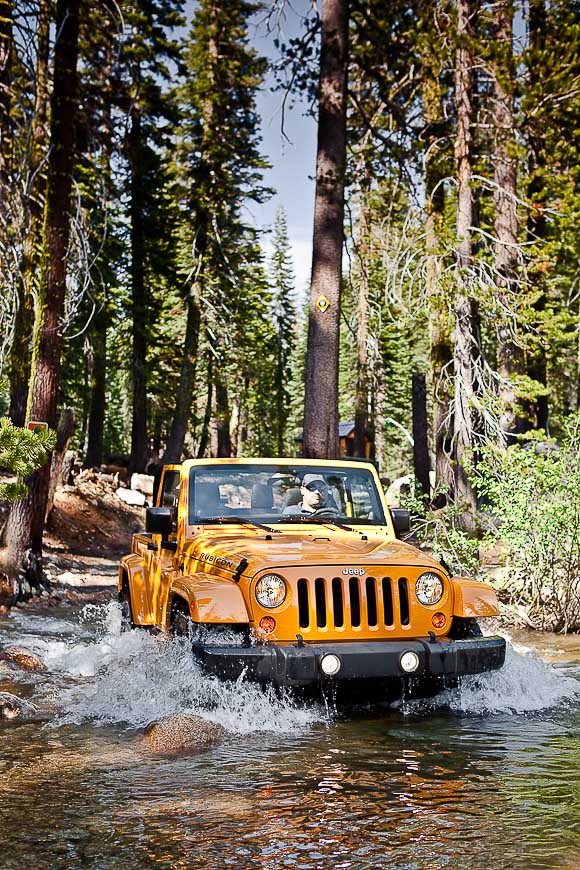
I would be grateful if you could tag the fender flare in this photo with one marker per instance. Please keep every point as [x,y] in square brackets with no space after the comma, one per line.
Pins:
[133,574]
[472,598]
[212,600]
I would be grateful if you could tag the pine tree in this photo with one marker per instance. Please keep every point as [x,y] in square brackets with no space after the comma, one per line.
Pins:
[219,168]
[285,322]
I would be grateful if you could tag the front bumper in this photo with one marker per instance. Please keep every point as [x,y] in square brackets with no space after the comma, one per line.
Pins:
[294,665]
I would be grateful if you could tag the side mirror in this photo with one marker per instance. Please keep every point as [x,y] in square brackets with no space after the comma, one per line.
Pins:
[159,520]
[401,521]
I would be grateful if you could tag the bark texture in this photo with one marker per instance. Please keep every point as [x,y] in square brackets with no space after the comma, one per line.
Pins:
[32,246]
[321,398]
[26,520]
[420,434]
[465,306]
[139,297]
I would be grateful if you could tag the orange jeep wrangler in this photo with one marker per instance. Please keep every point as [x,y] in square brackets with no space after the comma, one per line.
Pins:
[289,571]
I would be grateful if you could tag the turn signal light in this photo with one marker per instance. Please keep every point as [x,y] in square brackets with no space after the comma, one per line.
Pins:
[268,624]
[439,620]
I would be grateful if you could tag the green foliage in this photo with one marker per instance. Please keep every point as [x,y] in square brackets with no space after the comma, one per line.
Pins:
[441,531]
[532,495]
[21,453]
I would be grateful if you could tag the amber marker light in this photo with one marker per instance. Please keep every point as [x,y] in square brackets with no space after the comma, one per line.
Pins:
[268,624]
[439,620]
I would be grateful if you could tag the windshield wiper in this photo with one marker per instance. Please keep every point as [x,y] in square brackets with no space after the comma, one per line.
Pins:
[245,521]
[293,518]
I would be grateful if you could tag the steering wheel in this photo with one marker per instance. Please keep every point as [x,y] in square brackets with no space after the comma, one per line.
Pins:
[323,512]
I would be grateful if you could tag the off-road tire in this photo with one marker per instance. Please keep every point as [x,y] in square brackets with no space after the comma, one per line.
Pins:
[465,627]
[180,624]
[124,600]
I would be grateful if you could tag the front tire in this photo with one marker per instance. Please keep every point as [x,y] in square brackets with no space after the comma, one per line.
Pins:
[124,600]
[181,623]
[465,627]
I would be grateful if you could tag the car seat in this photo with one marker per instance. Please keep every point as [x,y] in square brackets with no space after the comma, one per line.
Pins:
[207,500]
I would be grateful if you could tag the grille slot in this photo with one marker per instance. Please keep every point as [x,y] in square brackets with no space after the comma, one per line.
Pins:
[403,601]
[354,593]
[303,614]
[387,601]
[337,602]
[320,596]
[371,601]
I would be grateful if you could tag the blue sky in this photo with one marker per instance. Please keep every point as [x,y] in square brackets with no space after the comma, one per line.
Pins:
[293,162]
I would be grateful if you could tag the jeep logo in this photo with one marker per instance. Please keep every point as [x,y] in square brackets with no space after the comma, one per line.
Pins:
[356,571]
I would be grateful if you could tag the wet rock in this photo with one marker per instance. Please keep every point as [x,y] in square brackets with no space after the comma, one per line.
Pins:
[11,706]
[22,657]
[183,732]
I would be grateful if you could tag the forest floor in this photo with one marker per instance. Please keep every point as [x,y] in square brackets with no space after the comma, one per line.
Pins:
[88,530]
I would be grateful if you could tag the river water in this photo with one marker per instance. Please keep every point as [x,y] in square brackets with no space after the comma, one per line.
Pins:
[485,776]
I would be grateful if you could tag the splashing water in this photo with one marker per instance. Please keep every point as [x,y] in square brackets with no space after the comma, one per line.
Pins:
[136,678]
[525,684]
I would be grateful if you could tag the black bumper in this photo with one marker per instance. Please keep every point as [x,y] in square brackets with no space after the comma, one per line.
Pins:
[293,665]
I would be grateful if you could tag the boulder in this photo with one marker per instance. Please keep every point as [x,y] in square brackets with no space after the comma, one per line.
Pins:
[131,496]
[143,483]
[11,706]
[183,733]
[22,657]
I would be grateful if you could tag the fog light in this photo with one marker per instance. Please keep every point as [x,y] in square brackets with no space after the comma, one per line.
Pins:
[409,662]
[268,624]
[438,620]
[330,665]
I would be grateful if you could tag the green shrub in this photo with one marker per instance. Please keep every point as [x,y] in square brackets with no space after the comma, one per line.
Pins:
[531,499]
[21,452]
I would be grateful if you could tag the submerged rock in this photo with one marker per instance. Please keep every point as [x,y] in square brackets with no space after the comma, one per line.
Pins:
[183,732]
[22,657]
[11,706]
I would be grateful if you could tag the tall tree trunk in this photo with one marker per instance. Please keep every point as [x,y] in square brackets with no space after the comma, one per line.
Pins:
[440,344]
[31,248]
[510,355]
[321,396]
[464,349]
[6,22]
[182,413]
[222,415]
[420,434]
[204,435]
[139,297]
[361,399]
[98,385]
[26,520]
[539,409]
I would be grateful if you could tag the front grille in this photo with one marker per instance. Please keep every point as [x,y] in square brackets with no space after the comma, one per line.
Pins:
[356,602]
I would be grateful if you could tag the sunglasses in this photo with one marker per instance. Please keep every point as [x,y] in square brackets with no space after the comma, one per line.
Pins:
[316,486]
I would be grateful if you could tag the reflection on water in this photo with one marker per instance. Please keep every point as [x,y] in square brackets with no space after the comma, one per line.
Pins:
[465,780]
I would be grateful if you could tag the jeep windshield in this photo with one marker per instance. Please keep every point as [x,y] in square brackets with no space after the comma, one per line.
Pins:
[280,493]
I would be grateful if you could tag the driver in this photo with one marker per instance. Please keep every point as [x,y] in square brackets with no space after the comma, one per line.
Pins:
[315,495]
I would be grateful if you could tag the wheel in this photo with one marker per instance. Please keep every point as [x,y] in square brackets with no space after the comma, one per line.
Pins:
[464,627]
[323,512]
[124,600]
[181,624]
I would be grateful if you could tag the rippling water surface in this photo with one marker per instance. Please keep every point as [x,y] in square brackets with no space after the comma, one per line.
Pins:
[485,776]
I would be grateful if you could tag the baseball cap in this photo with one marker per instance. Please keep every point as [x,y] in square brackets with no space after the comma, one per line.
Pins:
[313,478]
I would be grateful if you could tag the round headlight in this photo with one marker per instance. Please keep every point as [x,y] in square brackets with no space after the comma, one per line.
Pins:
[429,588]
[270,590]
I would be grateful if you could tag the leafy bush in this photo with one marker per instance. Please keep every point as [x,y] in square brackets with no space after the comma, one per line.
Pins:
[531,493]
[441,531]
[21,452]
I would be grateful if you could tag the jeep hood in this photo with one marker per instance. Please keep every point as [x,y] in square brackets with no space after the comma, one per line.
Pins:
[290,550]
